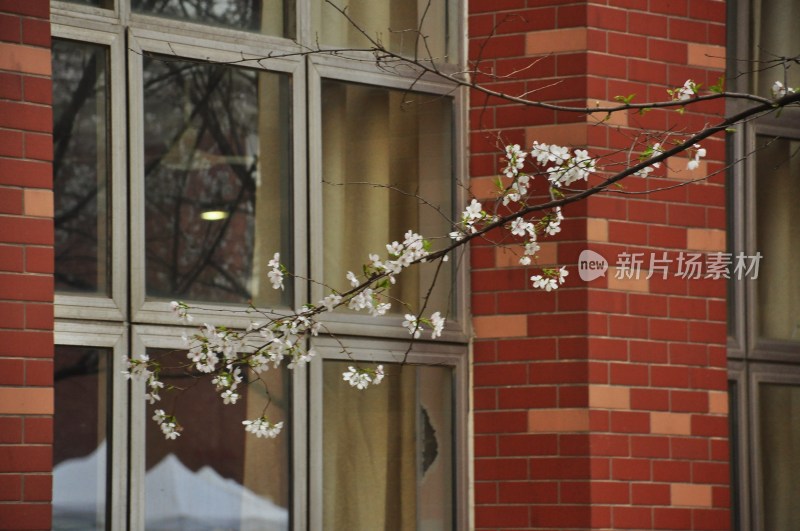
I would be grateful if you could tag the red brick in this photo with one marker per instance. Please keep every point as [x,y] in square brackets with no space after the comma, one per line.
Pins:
[28,515]
[553,468]
[39,259]
[26,459]
[630,422]
[709,426]
[672,471]
[36,32]
[26,343]
[668,518]
[632,517]
[10,146]
[33,9]
[11,258]
[37,316]
[665,376]
[629,374]
[29,173]
[26,230]
[26,287]
[704,472]
[630,469]
[527,397]
[10,86]
[10,28]
[500,374]
[528,492]
[711,519]
[650,446]
[650,494]
[38,487]
[689,401]
[38,146]
[39,372]
[38,430]
[565,516]
[500,469]
[501,421]
[12,315]
[27,117]
[689,448]
[528,444]
[10,487]
[10,429]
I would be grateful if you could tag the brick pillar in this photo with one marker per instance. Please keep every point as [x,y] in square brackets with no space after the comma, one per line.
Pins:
[26,266]
[602,405]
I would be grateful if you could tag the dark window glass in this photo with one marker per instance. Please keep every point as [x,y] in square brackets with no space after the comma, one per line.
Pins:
[81,168]
[80,437]
[215,476]
[778,237]
[272,17]
[217,181]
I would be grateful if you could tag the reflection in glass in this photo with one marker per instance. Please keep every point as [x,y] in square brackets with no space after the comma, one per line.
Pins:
[272,17]
[388,450]
[382,151]
[399,25]
[81,167]
[779,416]
[778,237]
[216,476]
[80,433]
[107,4]
[217,140]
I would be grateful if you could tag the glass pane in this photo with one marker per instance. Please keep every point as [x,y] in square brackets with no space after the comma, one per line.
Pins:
[399,26]
[405,427]
[215,476]
[80,448]
[217,181]
[774,36]
[108,4]
[271,17]
[779,420]
[81,168]
[383,153]
[778,237]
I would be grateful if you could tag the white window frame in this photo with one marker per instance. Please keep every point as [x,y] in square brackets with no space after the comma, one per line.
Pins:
[115,337]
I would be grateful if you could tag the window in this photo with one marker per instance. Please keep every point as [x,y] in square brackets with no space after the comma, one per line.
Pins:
[194,139]
[764,317]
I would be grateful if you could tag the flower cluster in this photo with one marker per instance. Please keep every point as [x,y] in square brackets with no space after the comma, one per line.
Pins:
[563,167]
[168,424]
[685,92]
[473,214]
[550,279]
[275,273]
[779,91]
[415,328]
[698,153]
[361,378]
[262,427]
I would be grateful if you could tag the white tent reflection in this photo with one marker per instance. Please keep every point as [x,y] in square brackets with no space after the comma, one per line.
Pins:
[176,498]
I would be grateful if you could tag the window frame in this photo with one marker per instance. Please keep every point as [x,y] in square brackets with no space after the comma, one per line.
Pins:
[388,351]
[115,337]
[113,307]
[129,323]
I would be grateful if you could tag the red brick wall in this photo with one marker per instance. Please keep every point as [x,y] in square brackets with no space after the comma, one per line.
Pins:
[26,266]
[602,405]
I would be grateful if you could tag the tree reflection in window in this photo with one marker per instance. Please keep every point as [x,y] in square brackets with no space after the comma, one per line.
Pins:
[80,167]
[217,139]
